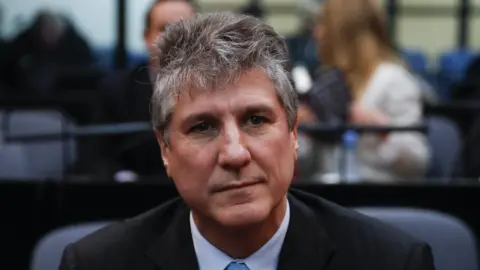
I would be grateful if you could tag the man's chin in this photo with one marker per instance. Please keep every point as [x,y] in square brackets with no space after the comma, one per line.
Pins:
[243,215]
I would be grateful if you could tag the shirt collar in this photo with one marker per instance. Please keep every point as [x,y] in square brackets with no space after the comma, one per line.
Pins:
[266,258]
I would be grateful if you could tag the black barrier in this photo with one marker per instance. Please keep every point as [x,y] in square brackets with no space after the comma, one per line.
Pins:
[330,133]
[31,209]
[121,44]
[81,105]
[454,107]
[463,113]
[392,10]
[84,131]
[463,23]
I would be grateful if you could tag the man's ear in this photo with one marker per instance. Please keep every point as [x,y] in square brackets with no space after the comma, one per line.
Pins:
[164,150]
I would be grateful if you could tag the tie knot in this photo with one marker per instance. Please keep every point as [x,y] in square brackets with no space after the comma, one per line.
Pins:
[237,266]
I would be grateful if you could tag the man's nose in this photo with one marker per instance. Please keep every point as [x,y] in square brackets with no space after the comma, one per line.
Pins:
[233,153]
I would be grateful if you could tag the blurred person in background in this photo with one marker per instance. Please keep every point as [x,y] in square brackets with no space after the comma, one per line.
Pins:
[254,8]
[379,90]
[38,55]
[125,96]
[311,83]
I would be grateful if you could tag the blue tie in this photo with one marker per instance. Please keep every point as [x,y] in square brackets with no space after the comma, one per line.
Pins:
[237,266]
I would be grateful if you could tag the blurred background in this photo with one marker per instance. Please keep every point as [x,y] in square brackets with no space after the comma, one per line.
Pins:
[76,144]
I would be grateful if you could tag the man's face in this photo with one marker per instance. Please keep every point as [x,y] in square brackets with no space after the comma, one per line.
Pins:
[163,14]
[231,153]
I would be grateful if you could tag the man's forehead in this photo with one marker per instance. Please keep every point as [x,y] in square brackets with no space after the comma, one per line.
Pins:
[244,95]
[222,100]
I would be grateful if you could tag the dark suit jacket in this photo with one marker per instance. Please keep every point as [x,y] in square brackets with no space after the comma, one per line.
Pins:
[329,97]
[125,97]
[321,235]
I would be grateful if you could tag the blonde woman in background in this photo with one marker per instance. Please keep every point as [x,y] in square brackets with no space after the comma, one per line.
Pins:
[352,38]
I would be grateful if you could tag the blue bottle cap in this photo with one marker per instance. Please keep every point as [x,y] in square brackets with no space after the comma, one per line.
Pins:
[350,138]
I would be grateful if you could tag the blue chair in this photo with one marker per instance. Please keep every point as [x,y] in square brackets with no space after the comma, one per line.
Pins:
[453,243]
[452,69]
[48,251]
[416,60]
[445,141]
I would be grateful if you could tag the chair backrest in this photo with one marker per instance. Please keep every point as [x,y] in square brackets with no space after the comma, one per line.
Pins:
[417,60]
[455,62]
[453,243]
[48,251]
[453,66]
[445,143]
[14,162]
[46,159]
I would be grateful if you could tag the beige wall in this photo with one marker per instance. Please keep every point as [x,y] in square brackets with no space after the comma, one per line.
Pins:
[284,22]
[432,34]
[435,34]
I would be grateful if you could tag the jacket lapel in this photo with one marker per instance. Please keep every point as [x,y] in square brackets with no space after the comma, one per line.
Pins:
[306,245]
[174,249]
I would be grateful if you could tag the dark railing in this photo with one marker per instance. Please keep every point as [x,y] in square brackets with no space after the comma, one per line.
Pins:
[136,127]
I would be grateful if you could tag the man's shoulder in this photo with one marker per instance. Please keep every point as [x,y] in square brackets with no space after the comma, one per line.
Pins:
[129,236]
[350,229]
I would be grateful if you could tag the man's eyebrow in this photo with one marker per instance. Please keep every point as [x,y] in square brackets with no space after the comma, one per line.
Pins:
[257,108]
[212,115]
[196,117]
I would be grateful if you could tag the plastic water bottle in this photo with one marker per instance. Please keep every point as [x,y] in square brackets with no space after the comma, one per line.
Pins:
[301,79]
[349,171]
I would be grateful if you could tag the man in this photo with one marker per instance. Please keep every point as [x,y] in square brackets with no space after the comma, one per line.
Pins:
[125,97]
[224,113]
[38,56]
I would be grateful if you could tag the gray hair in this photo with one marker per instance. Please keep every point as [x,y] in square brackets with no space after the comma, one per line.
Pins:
[211,51]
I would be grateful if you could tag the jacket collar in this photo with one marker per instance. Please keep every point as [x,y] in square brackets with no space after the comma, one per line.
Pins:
[174,249]
[306,245]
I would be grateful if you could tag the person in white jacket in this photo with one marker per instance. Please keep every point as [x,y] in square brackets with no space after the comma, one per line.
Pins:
[353,39]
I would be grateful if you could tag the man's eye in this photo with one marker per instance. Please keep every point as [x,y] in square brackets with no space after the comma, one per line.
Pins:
[256,120]
[201,127]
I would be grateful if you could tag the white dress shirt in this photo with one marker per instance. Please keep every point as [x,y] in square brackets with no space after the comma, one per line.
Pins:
[266,258]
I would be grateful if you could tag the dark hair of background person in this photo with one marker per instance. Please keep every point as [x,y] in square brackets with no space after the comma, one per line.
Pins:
[148,14]
[254,8]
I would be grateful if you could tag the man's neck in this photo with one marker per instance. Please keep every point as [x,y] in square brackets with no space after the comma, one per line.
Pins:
[246,241]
